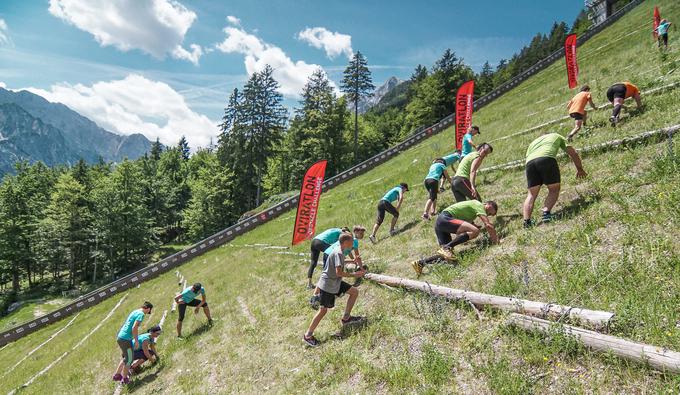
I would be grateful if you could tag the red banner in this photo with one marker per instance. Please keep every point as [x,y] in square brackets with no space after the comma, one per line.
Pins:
[464,98]
[310,192]
[657,21]
[570,57]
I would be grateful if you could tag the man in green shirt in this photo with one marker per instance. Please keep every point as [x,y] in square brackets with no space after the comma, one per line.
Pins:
[463,185]
[542,169]
[458,219]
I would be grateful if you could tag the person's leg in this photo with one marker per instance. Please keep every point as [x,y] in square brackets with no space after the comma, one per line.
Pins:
[618,104]
[529,202]
[314,259]
[181,310]
[315,321]
[206,311]
[433,208]
[353,293]
[395,215]
[128,361]
[577,127]
[466,231]
[393,224]
[551,199]
[378,219]
[426,212]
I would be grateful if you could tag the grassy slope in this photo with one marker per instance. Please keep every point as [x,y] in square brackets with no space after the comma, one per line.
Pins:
[612,251]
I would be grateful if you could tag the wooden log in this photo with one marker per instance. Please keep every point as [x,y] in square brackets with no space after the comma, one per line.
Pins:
[657,357]
[594,318]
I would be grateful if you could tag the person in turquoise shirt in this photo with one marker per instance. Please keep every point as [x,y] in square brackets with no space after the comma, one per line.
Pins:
[145,349]
[319,244]
[436,171]
[128,333]
[188,298]
[449,160]
[385,205]
[662,31]
[468,145]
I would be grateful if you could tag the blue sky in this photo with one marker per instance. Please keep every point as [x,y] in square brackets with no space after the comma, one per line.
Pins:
[165,67]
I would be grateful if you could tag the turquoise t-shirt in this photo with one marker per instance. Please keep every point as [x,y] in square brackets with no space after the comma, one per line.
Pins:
[451,159]
[436,170]
[392,194]
[329,236]
[663,28]
[125,331]
[188,294]
[142,338]
[335,245]
[467,144]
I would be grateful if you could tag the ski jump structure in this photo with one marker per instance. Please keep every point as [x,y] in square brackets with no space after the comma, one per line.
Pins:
[228,234]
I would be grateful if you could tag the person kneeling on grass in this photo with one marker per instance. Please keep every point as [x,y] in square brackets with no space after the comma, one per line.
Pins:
[188,298]
[385,205]
[542,169]
[577,109]
[127,333]
[458,219]
[145,349]
[319,244]
[331,286]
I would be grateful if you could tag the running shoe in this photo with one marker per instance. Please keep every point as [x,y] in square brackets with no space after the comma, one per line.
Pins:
[529,223]
[547,217]
[126,380]
[613,120]
[418,267]
[315,302]
[372,239]
[394,232]
[446,253]
[351,320]
[117,377]
[425,216]
[310,340]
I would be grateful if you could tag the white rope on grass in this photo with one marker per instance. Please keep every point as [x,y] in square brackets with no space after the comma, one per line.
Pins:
[246,312]
[40,346]
[162,321]
[566,117]
[83,340]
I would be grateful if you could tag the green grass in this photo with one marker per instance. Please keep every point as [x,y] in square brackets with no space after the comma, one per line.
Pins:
[612,249]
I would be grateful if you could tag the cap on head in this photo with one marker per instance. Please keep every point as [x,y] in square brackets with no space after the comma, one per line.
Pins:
[147,305]
[585,88]
[155,329]
[476,128]
[197,287]
[404,186]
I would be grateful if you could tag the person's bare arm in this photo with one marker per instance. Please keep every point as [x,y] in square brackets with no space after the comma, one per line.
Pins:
[446,176]
[580,173]
[341,273]
[490,228]
[592,104]
[476,164]
[178,299]
[135,331]
[145,348]
[638,101]
[357,256]
[401,199]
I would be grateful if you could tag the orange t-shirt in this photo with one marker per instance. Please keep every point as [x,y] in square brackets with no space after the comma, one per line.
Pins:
[631,90]
[578,103]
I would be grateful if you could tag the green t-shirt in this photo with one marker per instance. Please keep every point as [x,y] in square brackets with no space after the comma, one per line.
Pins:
[125,332]
[468,210]
[466,164]
[546,146]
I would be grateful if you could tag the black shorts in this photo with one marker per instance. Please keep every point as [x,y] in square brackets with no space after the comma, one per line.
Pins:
[664,38]
[445,226]
[139,354]
[462,189]
[577,116]
[182,308]
[542,171]
[616,91]
[384,206]
[328,299]
[126,350]
[432,187]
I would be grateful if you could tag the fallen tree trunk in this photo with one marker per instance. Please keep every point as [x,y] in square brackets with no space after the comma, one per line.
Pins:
[594,318]
[657,357]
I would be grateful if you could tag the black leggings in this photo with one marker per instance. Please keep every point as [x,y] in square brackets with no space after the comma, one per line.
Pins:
[385,206]
[317,248]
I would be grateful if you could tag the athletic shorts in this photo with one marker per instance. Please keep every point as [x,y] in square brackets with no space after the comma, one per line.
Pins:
[328,299]
[462,189]
[542,171]
[664,38]
[577,116]
[139,354]
[383,206]
[126,350]
[432,187]
[616,91]
[317,248]
[182,308]
[445,226]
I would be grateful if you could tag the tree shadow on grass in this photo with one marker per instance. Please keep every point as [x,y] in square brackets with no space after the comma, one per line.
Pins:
[139,383]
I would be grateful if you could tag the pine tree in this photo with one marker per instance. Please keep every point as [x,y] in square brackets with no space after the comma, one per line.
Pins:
[156,149]
[484,82]
[357,84]
[183,146]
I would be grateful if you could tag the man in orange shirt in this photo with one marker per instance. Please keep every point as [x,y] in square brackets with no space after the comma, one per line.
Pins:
[617,93]
[577,109]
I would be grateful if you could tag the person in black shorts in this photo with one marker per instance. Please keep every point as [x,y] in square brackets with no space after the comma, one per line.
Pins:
[385,205]
[147,349]
[617,93]
[437,171]
[188,298]
[542,169]
[319,244]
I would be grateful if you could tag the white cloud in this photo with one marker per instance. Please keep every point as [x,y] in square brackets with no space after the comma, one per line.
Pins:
[156,27]
[334,44]
[3,85]
[233,20]
[291,75]
[135,104]
[4,30]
